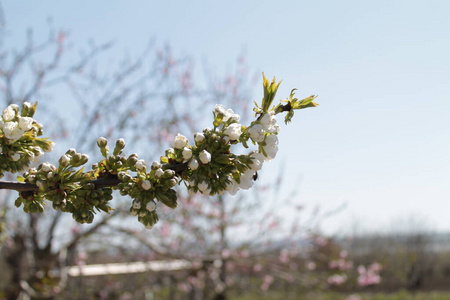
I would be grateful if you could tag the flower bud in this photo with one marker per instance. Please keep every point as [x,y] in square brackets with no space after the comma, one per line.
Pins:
[71,151]
[202,186]
[169,173]
[205,157]
[199,137]
[132,160]
[45,167]
[136,204]
[146,185]
[64,160]
[193,164]
[180,141]
[156,165]
[76,159]
[151,206]
[102,142]
[120,144]
[84,159]
[187,153]
[172,182]
[170,153]
[140,165]
[159,173]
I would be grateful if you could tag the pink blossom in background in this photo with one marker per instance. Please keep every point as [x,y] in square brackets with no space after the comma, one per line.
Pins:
[369,276]
[340,264]
[310,265]
[267,282]
[337,279]
[226,253]
[257,268]
[353,297]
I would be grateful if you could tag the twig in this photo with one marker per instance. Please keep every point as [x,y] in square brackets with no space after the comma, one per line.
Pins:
[99,183]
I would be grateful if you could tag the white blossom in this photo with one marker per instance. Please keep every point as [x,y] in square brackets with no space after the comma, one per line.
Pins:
[151,206]
[232,187]
[187,153]
[256,133]
[9,114]
[146,185]
[46,167]
[25,123]
[219,109]
[247,179]
[180,141]
[230,115]
[233,131]
[268,122]
[226,139]
[15,156]
[140,165]
[271,147]
[199,137]
[193,164]
[205,157]
[12,131]
[257,161]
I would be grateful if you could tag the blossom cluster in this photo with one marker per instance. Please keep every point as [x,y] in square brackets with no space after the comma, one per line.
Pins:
[207,165]
[69,190]
[19,145]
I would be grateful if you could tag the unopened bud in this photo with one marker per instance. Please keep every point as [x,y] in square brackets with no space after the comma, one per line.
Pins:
[102,142]
[71,151]
[120,144]
[64,160]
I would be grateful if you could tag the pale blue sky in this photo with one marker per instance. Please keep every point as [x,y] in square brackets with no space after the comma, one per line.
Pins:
[380,139]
